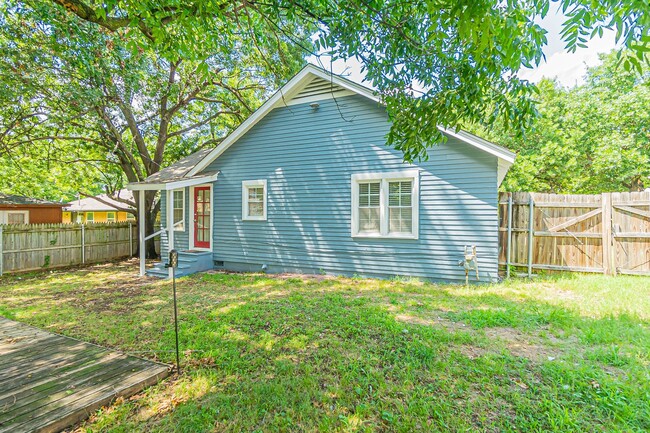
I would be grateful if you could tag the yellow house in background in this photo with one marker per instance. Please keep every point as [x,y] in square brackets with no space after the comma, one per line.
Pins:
[91,210]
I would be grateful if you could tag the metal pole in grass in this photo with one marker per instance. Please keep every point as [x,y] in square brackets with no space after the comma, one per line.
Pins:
[173,263]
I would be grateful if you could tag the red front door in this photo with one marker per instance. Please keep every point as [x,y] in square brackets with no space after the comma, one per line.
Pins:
[202,213]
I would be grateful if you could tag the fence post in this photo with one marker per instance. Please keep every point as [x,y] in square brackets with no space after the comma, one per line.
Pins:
[509,239]
[83,244]
[531,207]
[130,240]
[1,250]
[609,268]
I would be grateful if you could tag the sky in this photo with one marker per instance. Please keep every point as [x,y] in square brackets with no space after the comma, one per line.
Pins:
[568,68]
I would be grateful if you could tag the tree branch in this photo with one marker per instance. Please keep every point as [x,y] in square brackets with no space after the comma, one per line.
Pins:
[201,123]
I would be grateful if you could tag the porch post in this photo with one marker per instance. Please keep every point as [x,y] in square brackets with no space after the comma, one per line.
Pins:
[142,230]
[170,224]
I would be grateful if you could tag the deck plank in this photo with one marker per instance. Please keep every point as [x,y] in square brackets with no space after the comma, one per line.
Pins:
[49,382]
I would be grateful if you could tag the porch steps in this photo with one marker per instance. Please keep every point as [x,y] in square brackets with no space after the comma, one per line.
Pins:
[189,262]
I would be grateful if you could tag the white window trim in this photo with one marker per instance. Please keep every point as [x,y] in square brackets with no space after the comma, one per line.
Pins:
[191,220]
[108,220]
[245,185]
[86,217]
[179,228]
[392,176]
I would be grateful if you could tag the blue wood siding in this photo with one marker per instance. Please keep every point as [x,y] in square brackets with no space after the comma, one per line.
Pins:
[308,156]
[181,238]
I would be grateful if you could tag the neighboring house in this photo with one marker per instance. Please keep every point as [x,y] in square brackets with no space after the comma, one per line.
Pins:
[15,209]
[104,210]
[307,184]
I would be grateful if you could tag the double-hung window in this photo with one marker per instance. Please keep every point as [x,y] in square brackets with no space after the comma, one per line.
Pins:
[110,217]
[385,205]
[253,198]
[178,197]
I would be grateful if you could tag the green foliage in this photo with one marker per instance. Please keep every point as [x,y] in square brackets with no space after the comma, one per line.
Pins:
[434,62]
[589,139]
[92,66]
[86,108]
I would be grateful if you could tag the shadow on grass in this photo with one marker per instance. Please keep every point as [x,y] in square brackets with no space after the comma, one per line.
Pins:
[294,353]
[339,359]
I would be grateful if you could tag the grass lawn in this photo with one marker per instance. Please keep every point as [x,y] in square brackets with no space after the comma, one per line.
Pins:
[269,353]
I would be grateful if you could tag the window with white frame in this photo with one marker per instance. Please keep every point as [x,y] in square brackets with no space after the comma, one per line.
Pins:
[385,204]
[14,217]
[254,200]
[179,209]
[90,217]
[110,217]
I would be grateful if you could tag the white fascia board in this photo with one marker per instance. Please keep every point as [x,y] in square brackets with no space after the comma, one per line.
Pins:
[281,97]
[183,183]
[485,146]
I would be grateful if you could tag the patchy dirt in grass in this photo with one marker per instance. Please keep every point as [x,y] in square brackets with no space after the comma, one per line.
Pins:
[529,346]
[533,347]
[471,351]
[436,321]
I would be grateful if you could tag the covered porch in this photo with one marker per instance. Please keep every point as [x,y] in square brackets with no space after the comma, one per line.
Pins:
[186,221]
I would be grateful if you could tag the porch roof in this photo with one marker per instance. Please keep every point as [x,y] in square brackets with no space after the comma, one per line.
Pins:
[176,182]
[176,175]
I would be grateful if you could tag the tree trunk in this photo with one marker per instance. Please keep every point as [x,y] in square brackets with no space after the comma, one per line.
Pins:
[150,219]
[149,228]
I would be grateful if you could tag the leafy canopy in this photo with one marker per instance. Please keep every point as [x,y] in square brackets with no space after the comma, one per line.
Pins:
[85,107]
[434,62]
[587,139]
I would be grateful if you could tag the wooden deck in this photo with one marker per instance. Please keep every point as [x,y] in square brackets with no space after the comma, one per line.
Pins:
[49,382]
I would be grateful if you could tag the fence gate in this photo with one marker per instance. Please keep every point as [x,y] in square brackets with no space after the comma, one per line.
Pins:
[631,232]
[607,233]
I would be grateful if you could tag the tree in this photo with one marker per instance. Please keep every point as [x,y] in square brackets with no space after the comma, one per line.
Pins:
[108,100]
[459,57]
[587,139]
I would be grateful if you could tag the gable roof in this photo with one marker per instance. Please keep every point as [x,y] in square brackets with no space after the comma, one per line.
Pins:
[283,97]
[303,88]
[17,200]
[91,204]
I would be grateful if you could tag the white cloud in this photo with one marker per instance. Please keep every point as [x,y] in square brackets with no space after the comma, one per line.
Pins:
[570,68]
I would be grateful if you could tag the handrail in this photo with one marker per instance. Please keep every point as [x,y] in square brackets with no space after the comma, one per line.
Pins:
[162,230]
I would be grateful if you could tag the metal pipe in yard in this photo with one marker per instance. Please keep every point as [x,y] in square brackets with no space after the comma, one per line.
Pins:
[509,240]
[178,359]
[531,207]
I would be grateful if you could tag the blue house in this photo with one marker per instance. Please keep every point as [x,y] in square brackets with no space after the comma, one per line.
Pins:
[307,184]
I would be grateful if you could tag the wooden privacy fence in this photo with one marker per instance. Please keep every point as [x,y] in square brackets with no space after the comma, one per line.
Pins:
[607,233]
[37,246]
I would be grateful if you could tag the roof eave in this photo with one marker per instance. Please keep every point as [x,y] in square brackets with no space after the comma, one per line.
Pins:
[177,184]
